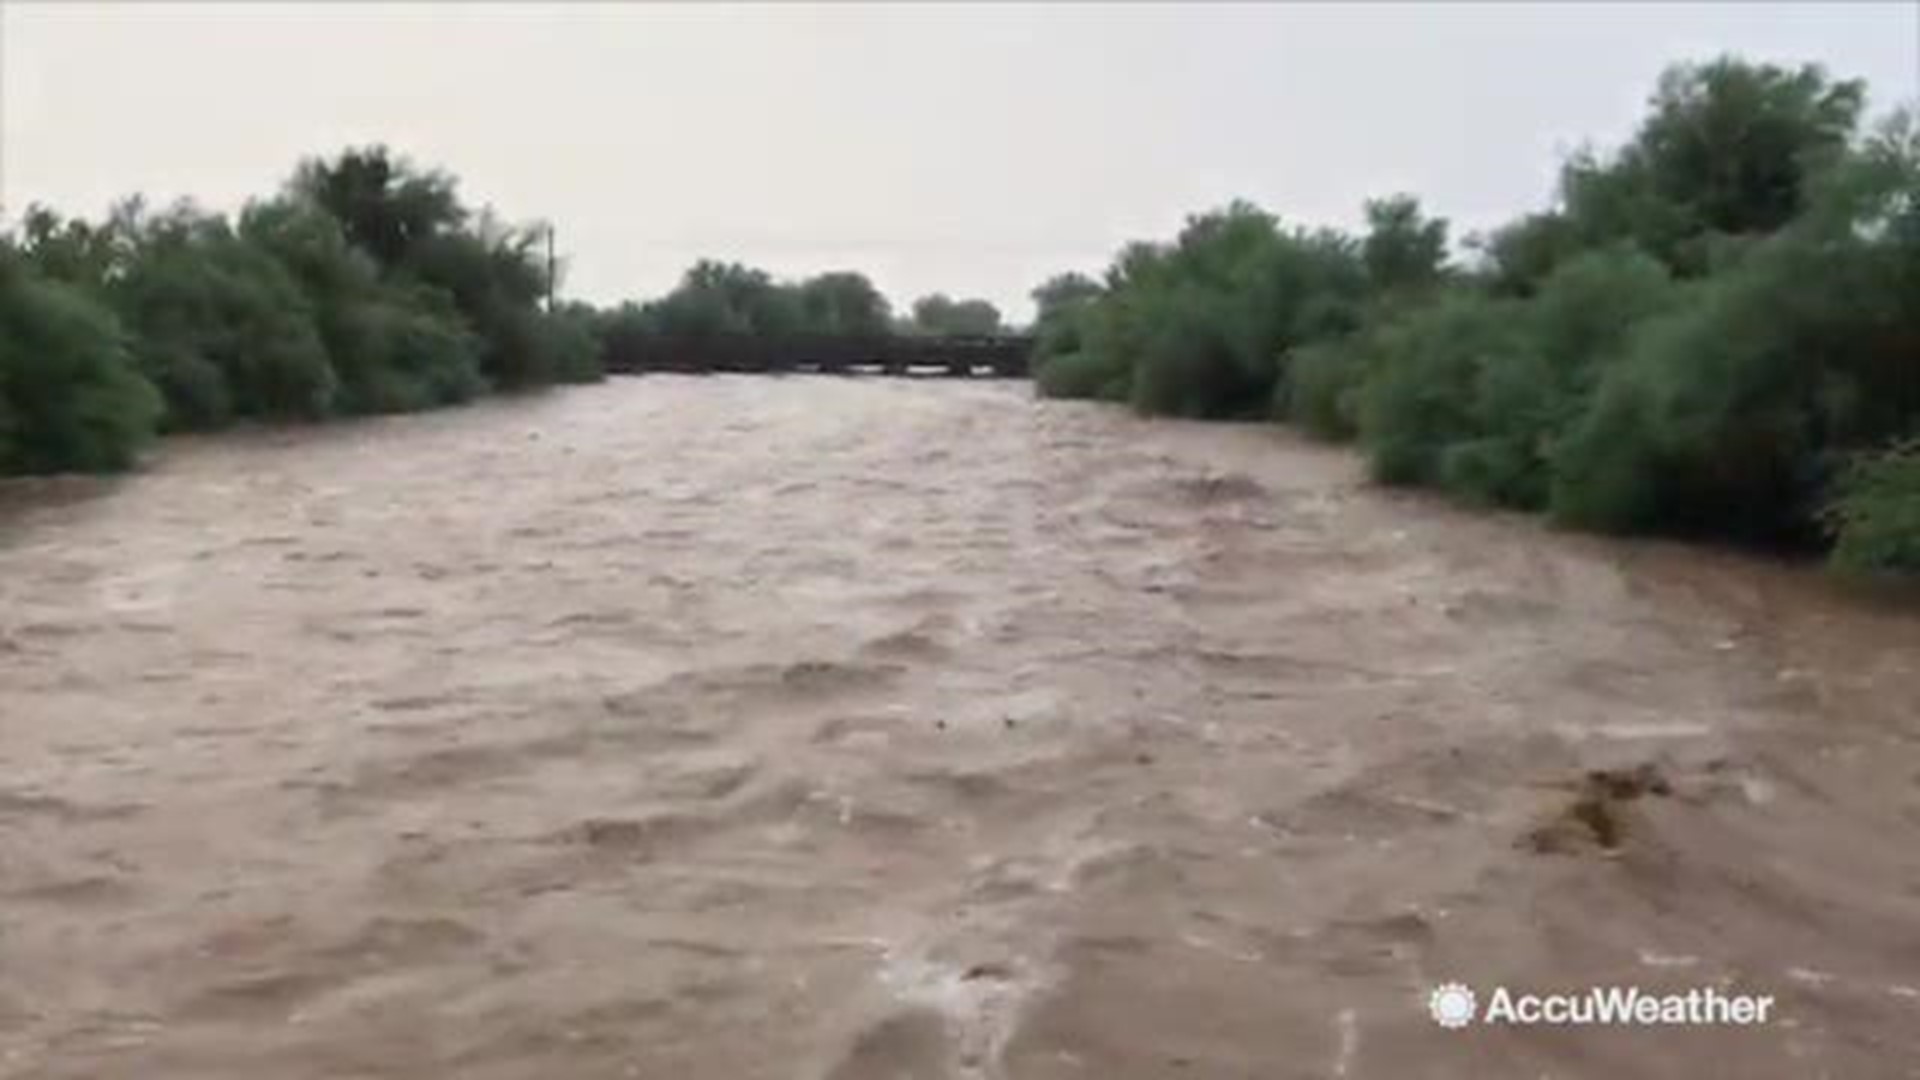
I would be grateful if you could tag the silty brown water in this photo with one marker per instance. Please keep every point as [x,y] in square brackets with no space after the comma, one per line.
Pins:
[855,728]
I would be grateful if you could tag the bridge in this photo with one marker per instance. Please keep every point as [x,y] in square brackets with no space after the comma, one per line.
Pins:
[991,356]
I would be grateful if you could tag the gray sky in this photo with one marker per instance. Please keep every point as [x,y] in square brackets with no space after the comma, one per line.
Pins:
[970,148]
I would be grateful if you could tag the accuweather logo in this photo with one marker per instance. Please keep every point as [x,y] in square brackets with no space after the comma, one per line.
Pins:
[1454,1006]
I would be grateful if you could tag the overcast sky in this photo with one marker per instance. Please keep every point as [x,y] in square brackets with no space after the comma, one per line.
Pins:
[971,148]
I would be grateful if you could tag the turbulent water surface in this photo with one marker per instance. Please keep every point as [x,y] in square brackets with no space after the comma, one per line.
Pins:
[743,728]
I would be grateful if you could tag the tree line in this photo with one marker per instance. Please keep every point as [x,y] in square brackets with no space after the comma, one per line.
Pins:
[725,299]
[1713,329]
[365,285]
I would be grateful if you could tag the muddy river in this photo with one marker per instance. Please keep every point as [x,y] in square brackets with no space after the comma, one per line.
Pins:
[737,728]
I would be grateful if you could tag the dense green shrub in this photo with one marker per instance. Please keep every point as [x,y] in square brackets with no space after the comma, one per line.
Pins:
[400,357]
[70,398]
[1321,391]
[395,347]
[626,331]
[1062,296]
[1077,375]
[1801,352]
[365,286]
[411,223]
[1875,516]
[1109,336]
[1199,327]
[1057,338]
[1420,396]
[1062,305]
[1186,363]
[496,284]
[574,351]
[1517,256]
[1106,331]
[220,325]
[1526,396]
[1711,322]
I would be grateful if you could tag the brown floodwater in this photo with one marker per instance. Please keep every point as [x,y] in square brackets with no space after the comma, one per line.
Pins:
[862,729]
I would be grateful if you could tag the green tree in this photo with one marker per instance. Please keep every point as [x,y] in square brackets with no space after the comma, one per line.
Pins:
[939,313]
[1061,307]
[496,281]
[219,324]
[1419,401]
[1734,143]
[1403,248]
[844,302]
[72,251]
[1875,515]
[1579,324]
[385,204]
[412,223]
[1729,147]
[395,345]
[70,398]
[716,298]
[1063,294]
[1517,256]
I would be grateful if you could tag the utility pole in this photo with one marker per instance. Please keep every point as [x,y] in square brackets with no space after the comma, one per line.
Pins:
[550,268]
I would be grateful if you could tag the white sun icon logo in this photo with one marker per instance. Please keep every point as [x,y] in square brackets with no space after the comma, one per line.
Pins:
[1452,1005]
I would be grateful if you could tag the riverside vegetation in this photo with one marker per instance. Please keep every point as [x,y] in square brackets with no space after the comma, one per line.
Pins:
[1715,329]
[364,286]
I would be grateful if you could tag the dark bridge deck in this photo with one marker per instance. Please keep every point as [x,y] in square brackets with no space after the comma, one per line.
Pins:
[1002,356]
